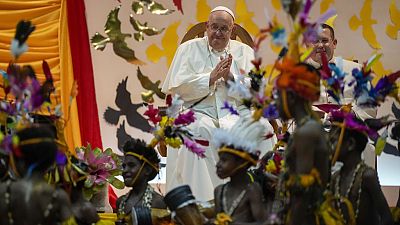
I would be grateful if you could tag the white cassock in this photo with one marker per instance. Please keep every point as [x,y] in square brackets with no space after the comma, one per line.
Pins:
[348,97]
[189,77]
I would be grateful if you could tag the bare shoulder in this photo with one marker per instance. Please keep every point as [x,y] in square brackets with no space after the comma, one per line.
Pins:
[217,190]
[312,125]
[62,196]
[311,128]
[254,191]
[85,213]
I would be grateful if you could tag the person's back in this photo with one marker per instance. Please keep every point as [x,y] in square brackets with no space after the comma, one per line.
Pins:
[33,202]
[307,155]
[29,199]
[309,143]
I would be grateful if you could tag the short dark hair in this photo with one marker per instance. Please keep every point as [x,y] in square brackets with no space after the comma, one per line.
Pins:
[326,26]
[140,147]
[41,153]
[360,138]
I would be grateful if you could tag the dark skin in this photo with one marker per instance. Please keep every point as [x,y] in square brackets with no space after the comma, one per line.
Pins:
[131,166]
[34,193]
[251,209]
[373,207]
[84,211]
[3,167]
[307,149]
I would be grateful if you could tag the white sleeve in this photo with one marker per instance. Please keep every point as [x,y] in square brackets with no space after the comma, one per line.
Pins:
[245,65]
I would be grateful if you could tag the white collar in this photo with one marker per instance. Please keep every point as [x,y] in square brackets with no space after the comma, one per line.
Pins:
[213,51]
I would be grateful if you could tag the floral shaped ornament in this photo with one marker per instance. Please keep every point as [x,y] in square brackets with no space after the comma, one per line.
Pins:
[102,167]
[171,128]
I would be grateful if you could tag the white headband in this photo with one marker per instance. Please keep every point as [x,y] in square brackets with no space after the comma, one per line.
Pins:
[223,8]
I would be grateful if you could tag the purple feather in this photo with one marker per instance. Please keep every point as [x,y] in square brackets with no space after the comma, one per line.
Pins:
[185,118]
[305,12]
[271,112]
[61,158]
[232,110]
[194,147]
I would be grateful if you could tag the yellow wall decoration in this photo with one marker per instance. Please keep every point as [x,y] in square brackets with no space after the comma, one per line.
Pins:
[379,70]
[203,9]
[169,43]
[245,17]
[275,48]
[325,4]
[276,4]
[366,21]
[393,29]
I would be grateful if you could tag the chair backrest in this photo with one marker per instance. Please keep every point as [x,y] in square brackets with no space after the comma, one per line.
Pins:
[199,29]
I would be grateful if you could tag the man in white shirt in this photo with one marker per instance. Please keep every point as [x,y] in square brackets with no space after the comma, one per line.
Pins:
[326,44]
[199,74]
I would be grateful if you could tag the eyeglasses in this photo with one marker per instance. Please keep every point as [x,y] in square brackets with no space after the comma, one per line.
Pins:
[323,41]
[223,29]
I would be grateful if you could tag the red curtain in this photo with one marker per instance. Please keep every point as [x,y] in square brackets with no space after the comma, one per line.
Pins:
[83,73]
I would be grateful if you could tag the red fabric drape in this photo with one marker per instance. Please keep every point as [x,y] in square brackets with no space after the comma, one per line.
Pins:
[83,73]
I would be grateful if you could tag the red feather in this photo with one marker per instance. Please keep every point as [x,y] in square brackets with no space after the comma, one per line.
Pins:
[327,107]
[168,100]
[202,142]
[325,72]
[393,77]
[178,4]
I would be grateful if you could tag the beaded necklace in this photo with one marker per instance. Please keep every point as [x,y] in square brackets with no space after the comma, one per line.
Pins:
[229,211]
[147,199]
[358,171]
[7,200]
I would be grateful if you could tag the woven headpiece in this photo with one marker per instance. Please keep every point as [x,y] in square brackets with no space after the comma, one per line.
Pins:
[242,139]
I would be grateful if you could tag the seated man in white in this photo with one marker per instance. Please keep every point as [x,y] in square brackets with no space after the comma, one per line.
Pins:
[198,74]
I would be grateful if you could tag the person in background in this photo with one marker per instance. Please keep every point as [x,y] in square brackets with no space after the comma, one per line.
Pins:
[31,198]
[356,181]
[140,165]
[326,44]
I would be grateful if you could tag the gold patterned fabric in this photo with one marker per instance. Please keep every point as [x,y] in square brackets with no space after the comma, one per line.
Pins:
[50,42]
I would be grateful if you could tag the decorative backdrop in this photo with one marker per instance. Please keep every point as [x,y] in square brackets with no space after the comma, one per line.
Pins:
[113,83]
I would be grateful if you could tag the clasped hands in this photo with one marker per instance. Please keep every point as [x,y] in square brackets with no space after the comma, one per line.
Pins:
[222,70]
